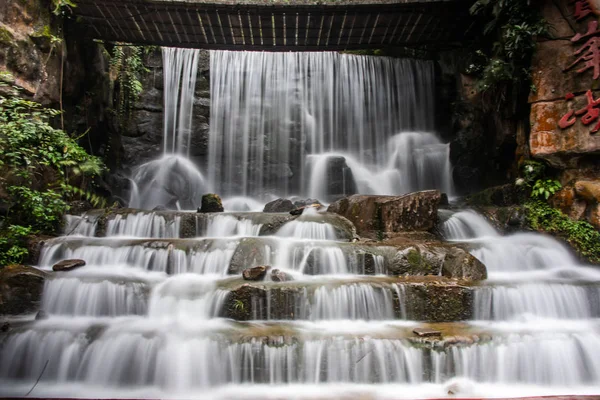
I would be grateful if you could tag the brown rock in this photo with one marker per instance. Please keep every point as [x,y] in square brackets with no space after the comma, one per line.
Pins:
[376,216]
[566,201]
[426,332]
[594,216]
[280,276]
[255,273]
[588,190]
[67,265]
[561,147]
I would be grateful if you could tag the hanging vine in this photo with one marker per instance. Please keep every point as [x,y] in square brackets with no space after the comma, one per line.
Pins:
[126,70]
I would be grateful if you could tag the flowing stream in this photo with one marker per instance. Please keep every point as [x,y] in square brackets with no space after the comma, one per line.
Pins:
[153,313]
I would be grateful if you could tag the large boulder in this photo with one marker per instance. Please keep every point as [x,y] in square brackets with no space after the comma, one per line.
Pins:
[20,289]
[380,216]
[279,205]
[461,264]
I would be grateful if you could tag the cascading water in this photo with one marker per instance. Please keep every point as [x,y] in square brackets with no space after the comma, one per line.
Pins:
[161,311]
[173,181]
[529,275]
[322,125]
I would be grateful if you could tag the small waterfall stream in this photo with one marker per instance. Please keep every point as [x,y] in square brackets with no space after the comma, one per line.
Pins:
[161,310]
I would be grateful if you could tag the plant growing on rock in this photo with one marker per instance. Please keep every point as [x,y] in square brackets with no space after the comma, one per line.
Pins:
[126,70]
[544,188]
[502,64]
[41,168]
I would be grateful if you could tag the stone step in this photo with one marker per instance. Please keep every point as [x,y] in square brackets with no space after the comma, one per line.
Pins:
[189,224]
[233,255]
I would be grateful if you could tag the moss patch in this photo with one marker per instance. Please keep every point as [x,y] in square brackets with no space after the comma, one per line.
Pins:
[6,37]
[581,235]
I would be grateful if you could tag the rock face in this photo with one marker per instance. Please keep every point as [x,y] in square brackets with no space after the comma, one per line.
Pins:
[279,205]
[255,273]
[211,203]
[20,289]
[378,216]
[67,265]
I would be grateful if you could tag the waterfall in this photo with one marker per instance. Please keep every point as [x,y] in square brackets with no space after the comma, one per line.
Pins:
[163,308]
[173,181]
[323,125]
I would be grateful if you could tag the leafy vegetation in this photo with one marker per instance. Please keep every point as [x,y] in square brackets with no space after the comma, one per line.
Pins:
[544,188]
[126,70]
[41,169]
[513,26]
[580,234]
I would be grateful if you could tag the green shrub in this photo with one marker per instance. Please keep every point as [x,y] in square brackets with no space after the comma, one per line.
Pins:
[544,188]
[41,169]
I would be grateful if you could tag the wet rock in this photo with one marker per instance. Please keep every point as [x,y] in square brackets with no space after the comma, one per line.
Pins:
[5,327]
[249,252]
[501,196]
[438,303]
[20,289]
[41,315]
[280,276]
[426,332]
[255,273]
[415,261]
[378,216]
[458,263]
[305,202]
[300,210]
[279,205]
[211,203]
[68,265]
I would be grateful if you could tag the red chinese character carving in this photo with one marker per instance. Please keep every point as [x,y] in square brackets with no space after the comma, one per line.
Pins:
[590,56]
[590,114]
[583,8]
[592,30]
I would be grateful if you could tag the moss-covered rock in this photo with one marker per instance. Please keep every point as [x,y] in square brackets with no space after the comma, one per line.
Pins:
[211,203]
